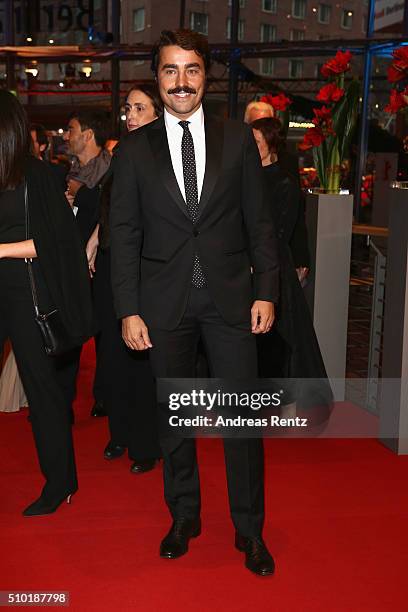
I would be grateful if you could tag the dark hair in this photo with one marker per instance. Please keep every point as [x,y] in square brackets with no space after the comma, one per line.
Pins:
[15,141]
[93,120]
[41,134]
[186,39]
[273,132]
[151,92]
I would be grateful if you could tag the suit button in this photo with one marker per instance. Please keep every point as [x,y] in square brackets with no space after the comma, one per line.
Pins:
[195,233]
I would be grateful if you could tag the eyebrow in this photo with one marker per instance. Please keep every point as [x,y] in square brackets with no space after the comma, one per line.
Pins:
[192,65]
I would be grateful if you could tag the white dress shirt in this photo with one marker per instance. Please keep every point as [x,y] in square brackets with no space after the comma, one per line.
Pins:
[174,137]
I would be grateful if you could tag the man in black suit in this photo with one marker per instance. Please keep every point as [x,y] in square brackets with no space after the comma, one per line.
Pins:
[187,223]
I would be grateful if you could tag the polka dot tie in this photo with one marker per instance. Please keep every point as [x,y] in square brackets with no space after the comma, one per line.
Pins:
[190,186]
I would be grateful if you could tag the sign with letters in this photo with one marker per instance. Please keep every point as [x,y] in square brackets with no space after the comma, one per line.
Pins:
[47,17]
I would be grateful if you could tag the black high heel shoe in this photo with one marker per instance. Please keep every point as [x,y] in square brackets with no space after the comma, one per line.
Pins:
[41,507]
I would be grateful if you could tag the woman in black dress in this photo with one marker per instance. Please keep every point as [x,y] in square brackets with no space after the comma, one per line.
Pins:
[291,349]
[128,389]
[62,281]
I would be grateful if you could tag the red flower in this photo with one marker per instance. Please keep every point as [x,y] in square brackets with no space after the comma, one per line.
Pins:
[401,55]
[313,138]
[399,67]
[322,115]
[279,102]
[397,101]
[337,65]
[396,72]
[330,93]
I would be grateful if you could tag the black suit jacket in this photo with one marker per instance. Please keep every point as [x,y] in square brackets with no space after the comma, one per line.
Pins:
[153,240]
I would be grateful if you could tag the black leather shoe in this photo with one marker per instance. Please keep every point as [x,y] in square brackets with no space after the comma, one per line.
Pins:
[98,410]
[41,506]
[257,557]
[113,451]
[140,467]
[175,544]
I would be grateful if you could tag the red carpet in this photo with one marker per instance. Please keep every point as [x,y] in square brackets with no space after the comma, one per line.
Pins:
[337,516]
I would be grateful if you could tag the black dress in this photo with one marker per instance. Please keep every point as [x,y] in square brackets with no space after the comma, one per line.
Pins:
[49,408]
[291,349]
[128,385]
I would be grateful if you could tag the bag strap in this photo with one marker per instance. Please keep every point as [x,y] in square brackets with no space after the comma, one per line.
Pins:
[29,261]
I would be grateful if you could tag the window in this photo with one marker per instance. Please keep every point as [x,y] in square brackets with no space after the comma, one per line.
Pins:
[139,20]
[268,32]
[347,19]
[241,29]
[199,22]
[270,6]
[324,13]
[295,69]
[318,74]
[267,66]
[299,9]
[297,35]
[241,3]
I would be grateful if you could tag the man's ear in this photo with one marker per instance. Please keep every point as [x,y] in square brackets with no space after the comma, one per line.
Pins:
[90,135]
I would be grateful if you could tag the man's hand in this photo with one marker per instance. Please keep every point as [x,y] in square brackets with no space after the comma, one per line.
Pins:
[135,333]
[92,250]
[262,316]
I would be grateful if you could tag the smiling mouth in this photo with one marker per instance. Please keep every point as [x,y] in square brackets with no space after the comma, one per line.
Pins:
[182,95]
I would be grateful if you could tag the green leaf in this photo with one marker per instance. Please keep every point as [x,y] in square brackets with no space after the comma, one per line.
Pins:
[345,117]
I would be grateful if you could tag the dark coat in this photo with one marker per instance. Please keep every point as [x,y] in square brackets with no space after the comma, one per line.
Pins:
[87,201]
[153,240]
[299,247]
[60,249]
[293,320]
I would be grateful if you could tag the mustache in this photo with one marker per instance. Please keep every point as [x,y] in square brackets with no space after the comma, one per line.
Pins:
[182,89]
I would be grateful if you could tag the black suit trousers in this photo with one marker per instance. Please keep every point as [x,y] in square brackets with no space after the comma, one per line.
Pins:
[231,353]
[128,386]
[49,407]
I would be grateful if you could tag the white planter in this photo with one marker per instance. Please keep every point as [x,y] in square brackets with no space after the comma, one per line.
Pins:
[329,220]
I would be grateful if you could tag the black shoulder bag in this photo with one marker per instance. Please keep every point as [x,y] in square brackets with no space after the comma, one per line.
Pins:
[55,336]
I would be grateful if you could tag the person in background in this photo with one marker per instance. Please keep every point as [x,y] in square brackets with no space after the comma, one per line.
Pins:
[40,146]
[299,240]
[129,392]
[257,110]
[291,349]
[85,137]
[12,394]
[52,241]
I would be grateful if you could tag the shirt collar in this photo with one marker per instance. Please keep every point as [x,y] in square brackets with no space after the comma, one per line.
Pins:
[196,120]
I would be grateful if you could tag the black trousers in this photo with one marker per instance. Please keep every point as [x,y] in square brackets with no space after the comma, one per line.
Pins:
[128,386]
[231,353]
[49,408]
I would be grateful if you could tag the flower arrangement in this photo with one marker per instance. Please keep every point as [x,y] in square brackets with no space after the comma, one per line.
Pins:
[334,121]
[398,72]
[280,104]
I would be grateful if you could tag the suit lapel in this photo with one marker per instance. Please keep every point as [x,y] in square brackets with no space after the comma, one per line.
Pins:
[160,147]
[214,142]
